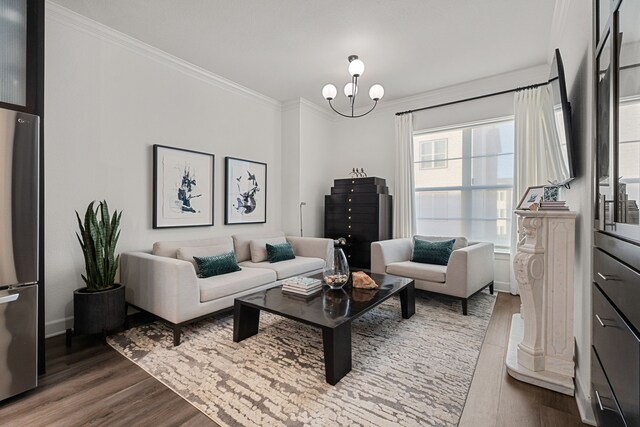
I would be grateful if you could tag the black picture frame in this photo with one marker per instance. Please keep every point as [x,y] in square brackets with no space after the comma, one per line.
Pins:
[175,172]
[245,196]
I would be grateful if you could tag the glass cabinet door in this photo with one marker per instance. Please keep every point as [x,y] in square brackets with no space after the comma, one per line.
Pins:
[604,147]
[628,124]
[13,52]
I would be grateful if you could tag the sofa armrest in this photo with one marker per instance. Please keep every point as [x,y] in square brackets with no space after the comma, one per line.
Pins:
[385,252]
[470,269]
[316,247]
[166,287]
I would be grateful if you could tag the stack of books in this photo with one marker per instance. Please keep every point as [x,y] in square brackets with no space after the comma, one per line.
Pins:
[301,285]
[559,205]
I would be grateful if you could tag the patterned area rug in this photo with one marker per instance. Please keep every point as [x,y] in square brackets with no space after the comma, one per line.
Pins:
[405,372]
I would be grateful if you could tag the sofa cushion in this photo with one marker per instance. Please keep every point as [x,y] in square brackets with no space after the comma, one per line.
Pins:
[170,248]
[292,267]
[241,243]
[224,285]
[189,252]
[258,247]
[461,242]
[209,266]
[279,252]
[416,270]
[427,252]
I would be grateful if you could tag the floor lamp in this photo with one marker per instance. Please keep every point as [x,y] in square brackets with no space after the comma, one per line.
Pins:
[301,205]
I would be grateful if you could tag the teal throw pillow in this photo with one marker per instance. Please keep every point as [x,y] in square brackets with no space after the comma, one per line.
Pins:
[279,252]
[209,266]
[427,252]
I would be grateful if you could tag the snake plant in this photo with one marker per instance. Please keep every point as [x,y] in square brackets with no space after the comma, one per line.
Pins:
[98,238]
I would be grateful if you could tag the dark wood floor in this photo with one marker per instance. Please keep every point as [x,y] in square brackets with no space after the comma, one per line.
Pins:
[94,385]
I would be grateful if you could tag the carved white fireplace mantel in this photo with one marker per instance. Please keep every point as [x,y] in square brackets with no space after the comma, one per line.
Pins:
[541,341]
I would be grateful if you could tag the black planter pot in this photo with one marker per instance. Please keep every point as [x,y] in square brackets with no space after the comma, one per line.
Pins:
[98,312]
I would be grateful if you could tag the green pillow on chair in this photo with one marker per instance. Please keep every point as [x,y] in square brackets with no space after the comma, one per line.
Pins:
[209,266]
[427,252]
[279,252]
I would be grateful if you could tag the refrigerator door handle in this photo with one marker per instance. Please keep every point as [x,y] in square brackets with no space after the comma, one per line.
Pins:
[9,298]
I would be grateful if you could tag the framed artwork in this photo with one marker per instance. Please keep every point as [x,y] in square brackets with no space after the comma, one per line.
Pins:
[245,199]
[531,196]
[182,187]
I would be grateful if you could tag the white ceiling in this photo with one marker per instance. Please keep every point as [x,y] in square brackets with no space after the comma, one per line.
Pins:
[287,49]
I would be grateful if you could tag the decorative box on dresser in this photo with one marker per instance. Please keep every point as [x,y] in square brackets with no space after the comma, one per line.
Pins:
[358,210]
[615,284]
[541,341]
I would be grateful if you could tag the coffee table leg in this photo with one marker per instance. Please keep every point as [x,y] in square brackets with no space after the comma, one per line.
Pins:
[337,352]
[408,301]
[245,321]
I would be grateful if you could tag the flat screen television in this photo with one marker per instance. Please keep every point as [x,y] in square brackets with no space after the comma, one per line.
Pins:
[562,114]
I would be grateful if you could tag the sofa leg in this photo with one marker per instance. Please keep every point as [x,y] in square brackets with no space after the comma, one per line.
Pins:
[464,306]
[491,288]
[177,331]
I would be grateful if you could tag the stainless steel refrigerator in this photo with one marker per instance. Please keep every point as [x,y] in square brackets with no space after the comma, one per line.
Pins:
[19,226]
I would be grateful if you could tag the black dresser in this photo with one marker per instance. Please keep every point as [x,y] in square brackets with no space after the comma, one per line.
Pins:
[360,211]
[615,353]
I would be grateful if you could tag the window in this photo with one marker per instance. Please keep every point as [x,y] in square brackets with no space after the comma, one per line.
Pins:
[464,181]
[433,154]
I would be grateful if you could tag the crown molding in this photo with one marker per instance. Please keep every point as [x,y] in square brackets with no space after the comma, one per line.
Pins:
[300,103]
[81,23]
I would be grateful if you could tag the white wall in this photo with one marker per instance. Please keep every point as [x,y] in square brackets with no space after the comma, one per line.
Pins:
[573,29]
[109,98]
[316,156]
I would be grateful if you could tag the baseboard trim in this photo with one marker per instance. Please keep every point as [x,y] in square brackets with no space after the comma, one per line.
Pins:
[584,404]
[57,327]
[502,286]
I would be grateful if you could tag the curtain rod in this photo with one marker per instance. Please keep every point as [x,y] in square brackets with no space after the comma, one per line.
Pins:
[502,92]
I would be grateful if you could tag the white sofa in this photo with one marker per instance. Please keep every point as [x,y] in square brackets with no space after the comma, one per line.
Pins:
[470,267]
[168,287]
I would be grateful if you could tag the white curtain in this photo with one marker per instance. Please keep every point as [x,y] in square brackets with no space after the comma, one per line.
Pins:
[537,151]
[404,212]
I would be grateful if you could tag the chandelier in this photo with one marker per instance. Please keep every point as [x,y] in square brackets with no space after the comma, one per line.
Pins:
[356,68]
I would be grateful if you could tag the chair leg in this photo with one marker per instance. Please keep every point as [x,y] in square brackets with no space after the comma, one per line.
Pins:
[464,306]
[491,288]
[177,331]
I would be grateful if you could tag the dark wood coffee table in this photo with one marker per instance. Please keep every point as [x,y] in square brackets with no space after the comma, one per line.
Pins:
[330,310]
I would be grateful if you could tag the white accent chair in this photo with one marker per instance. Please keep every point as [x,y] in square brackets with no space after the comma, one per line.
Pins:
[470,267]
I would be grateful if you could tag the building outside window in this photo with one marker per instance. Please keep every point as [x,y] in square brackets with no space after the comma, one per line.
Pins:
[466,189]
[433,154]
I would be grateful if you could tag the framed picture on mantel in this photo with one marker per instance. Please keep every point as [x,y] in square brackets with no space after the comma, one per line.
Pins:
[531,196]
[245,192]
[182,187]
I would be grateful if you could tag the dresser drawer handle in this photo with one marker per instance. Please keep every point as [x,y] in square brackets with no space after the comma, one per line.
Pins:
[605,277]
[602,407]
[600,321]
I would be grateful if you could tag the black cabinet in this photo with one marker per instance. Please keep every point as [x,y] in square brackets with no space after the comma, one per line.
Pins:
[615,355]
[358,210]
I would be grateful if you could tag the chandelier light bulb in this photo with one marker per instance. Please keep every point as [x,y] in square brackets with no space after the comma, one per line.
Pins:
[348,89]
[329,92]
[356,68]
[376,92]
